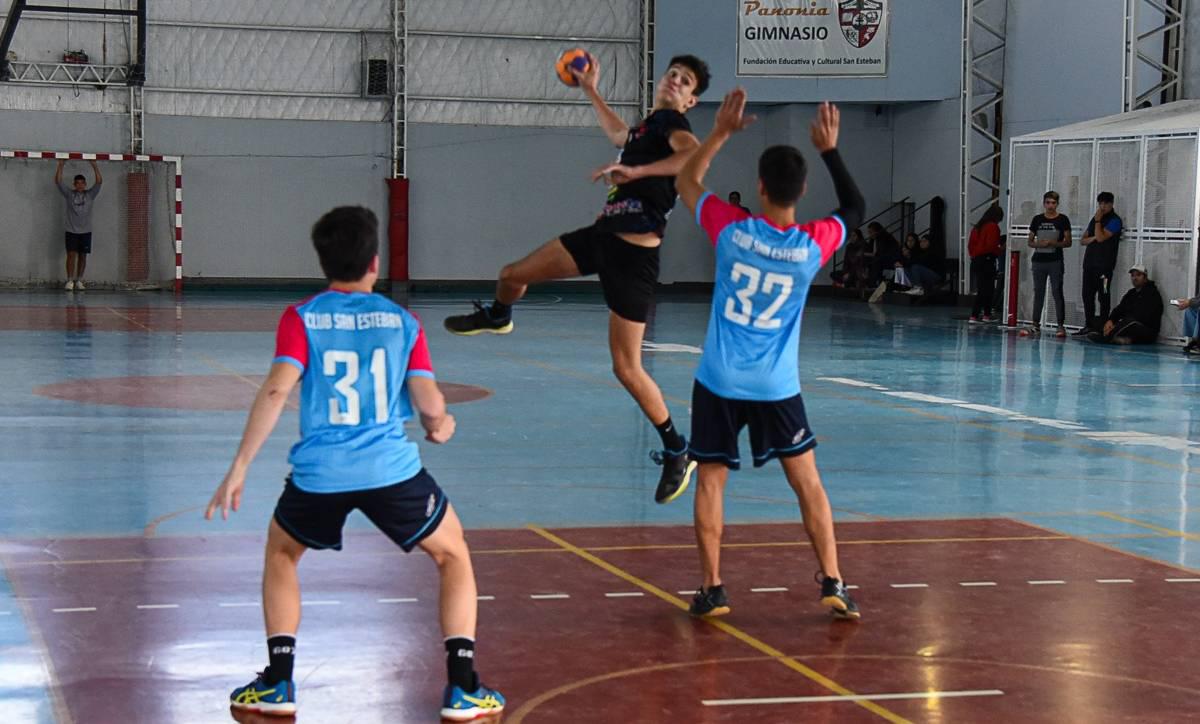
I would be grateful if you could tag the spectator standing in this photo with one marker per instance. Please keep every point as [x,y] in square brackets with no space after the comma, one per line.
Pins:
[1100,240]
[984,248]
[1049,234]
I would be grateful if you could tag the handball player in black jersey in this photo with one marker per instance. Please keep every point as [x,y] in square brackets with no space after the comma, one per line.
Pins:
[621,247]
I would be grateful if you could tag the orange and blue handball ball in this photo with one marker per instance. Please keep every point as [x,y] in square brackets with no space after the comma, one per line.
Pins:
[576,58]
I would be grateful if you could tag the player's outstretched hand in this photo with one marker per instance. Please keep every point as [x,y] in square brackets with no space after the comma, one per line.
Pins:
[615,174]
[590,77]
[824,130]
[228,496]
[731,116]
[443,432]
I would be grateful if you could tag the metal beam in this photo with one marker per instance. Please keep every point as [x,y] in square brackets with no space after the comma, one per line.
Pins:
[1166,60]
[10,29]
[80,11]
[399,89]
[984,42]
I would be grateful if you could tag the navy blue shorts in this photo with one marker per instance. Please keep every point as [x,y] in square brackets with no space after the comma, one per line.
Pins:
[79,243]
[406,512]
[778,429]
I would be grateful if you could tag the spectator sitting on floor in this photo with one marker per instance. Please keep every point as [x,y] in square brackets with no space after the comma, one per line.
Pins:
[1136,320]
[1191,324]
[855,265]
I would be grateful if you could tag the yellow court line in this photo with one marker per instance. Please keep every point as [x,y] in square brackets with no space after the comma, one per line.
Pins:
[62,712]
[756,644]
[1113,549]
[1143,524]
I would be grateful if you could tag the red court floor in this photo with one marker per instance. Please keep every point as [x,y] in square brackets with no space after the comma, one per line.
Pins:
[964,621]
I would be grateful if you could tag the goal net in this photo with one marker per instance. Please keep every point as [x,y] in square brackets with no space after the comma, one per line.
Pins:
[137,220]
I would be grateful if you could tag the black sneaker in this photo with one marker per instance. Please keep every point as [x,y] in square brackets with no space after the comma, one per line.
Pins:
[711,602]
[676,474]
[1192,347]
[834,595]
[1082,331]
[478,322]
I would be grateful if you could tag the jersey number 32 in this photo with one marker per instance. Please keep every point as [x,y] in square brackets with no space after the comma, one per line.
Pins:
[743,311]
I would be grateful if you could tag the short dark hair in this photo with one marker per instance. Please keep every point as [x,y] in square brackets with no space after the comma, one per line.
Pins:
[346,240]
[1105,197]
[697,66]
[782,171]
[1053,195]
[80,177]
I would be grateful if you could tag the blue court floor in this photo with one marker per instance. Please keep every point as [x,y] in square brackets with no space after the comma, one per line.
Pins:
[120,413]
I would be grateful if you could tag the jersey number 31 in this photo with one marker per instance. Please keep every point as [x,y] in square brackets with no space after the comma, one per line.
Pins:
[335,358]
[780,283]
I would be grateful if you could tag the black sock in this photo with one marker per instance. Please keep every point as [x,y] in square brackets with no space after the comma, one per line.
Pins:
[460,663]
[282,650]
[672,441]
[499,310]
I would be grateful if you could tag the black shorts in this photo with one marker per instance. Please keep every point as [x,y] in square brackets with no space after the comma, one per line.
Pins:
[628,272]
[778,429]
[406,512]
[79,243]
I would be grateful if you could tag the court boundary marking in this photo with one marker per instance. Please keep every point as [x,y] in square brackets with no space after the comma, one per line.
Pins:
[755,643]
[53,686]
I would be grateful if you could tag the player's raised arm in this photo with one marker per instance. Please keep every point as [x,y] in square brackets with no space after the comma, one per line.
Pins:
[730,119]
[824,134]
[264,414]
[615,128]
[58,172]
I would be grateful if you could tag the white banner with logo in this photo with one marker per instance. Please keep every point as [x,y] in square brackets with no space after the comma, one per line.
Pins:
[812,37]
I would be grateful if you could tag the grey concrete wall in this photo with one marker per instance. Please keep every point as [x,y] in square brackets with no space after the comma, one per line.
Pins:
[922,58]
[482,197]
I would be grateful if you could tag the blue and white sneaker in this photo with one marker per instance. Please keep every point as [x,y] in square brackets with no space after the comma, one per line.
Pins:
[458,705]
[277,699]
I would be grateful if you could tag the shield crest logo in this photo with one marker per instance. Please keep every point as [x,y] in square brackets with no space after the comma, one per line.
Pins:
[860,20]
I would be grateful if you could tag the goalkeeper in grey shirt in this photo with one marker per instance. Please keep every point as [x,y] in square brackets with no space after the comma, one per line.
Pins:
[80,199]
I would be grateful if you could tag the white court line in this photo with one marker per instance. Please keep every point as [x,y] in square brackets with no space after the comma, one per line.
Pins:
[1114,580]
[320,603]
[1047,583]
[777,589]
[1182,580]
[396,600]
[238,605]
[81,609]
[851,588]
[624,594]
[687,593]
[152,606]
[5,613]
[855,697]
[973,584]
[909,585]
[486,598]
[548,596]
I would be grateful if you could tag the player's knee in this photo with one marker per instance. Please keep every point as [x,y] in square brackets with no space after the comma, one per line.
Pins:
[626,371]
[511,274]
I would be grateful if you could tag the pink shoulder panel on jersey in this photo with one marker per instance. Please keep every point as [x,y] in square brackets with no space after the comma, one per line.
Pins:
[829,233]
[418,359]
[714,215]
[291,339]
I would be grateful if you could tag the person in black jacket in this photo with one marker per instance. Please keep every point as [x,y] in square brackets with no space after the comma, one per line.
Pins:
[1136,320]
[1100,240]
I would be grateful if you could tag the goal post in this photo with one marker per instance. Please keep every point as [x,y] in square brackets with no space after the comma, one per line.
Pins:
[137,219]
